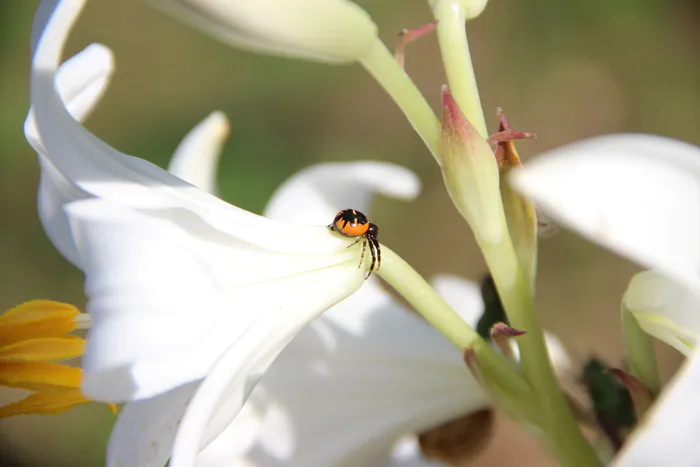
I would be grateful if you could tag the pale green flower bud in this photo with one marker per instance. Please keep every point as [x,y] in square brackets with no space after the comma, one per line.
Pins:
[471,173]
[325,30]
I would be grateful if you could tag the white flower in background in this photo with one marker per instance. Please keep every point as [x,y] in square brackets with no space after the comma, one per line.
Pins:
[639,195]
[326,30]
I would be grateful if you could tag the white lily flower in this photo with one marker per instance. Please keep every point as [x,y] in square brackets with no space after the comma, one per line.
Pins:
[325,30]
[639,195]
[174,275]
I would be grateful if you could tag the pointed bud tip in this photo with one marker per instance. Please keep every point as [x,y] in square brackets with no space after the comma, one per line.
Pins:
[502,329]
[454,123]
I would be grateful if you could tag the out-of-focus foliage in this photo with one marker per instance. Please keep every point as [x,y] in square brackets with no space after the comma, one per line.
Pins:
[563,70]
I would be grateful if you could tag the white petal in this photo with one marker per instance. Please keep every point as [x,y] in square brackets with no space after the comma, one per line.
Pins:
[326,30]
[196,159]
[144,432]
[99,170]
[166,303]
[236,373]
[316,194]
[237,437]
[669,433]
[665,309]
[636,194]
[81,81]
[353,382]
[55,192]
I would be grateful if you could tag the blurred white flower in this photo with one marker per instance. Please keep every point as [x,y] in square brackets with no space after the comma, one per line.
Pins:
[639,195]
[325,30]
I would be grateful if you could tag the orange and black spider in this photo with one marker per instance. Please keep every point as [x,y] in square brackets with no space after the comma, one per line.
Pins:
[352,223]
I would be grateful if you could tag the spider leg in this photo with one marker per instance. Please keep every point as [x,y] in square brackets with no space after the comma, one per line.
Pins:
[355,242]
[379,253]
[372,249]
[362,256]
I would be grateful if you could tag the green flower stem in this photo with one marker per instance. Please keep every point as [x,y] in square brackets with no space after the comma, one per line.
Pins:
[561,432]
[452,36]
[426,301]
[382,65]
[640,352]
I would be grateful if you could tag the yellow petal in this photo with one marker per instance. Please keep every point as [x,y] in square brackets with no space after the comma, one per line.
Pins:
[44,404]
[39,376]
[38,318]
[43,349]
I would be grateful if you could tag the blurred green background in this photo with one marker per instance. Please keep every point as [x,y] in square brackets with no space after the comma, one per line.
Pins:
[563,70]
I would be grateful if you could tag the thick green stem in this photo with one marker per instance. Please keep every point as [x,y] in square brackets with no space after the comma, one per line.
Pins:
[640,352]
[561,432]
[382,65]
[452,35]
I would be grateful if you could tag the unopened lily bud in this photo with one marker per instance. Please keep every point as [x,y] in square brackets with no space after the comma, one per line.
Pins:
[471,173]
[519,210]
[325,30]
[472,8]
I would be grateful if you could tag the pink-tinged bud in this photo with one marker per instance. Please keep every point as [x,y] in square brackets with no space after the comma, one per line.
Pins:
[470,172]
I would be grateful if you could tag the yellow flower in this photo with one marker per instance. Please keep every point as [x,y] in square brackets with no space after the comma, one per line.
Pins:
[33,336]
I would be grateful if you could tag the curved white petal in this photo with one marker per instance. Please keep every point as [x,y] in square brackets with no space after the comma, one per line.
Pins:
[80,82]
[165,302]
[316,194]
[101,171]
[326,30]
[636,194]
[350,385]
[144,432]
[665,309]
[668,435]
[196,158]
